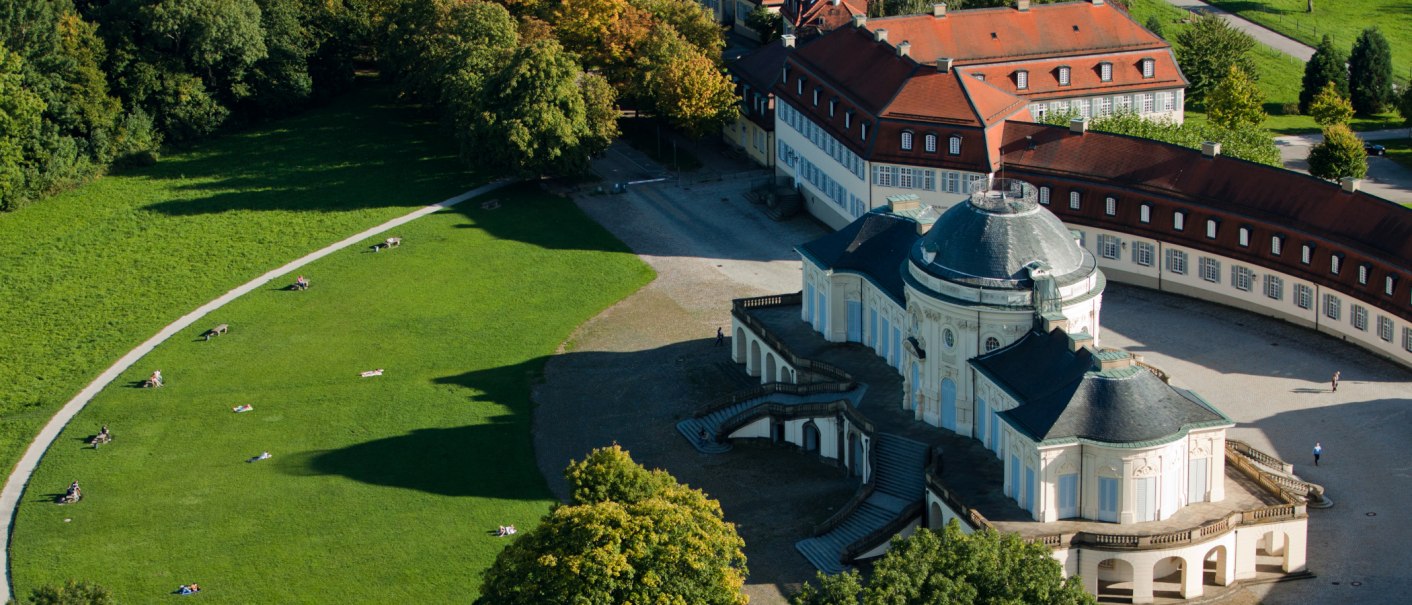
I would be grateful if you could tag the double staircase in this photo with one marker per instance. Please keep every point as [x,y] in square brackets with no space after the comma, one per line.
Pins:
[715,423]
[897,487]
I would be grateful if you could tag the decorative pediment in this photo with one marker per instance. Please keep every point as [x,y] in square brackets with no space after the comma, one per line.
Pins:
[1145,470]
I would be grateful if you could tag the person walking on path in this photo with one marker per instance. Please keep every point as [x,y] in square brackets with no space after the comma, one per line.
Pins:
[1318,451]
[720,337]
[1335,381]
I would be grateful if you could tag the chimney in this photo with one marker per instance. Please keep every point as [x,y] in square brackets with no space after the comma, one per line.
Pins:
[880,35]
[1112,360]
[1210,149]
[904,49]
[1350,184]
[943,64]
[1078,125]
[788,40]
[939,10]
[859,20]
[1022,5]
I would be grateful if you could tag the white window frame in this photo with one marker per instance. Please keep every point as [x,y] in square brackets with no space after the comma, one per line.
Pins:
[907,140]
[1075,200]
[1242,278]
[1149,68]
[1212,226]
[1335,263]
[1244,237]
[1277,245]
[1142,253]
[1105,72]
[816,96]
[953,144]
[1210,269]
[1363,272]
[1144,213]
[1064,75]
[1109,246]
[1110,206]
[1359,317]
[1385,328]
[930,141]
[1274,287]
[1306,254]
[1044,195]
[1022,79]
[1179,221]
[1176,261]
[1303,296]
[1333,307]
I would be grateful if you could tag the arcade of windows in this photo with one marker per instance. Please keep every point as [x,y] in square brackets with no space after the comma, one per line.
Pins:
[820,138]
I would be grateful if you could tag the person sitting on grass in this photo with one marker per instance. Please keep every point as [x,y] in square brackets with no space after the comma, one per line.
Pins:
[262,456]
[371,373]
[242,408]
[74,494]
[155,380]
[302,283]
[102,437]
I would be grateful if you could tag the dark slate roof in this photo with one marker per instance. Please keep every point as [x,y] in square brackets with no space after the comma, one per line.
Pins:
[989,243]
[760,68]
[874,245]
[1063,395]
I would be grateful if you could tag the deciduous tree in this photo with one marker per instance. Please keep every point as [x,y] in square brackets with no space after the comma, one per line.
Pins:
[19,130]
[954,567]
[1206,51]
[1252,143]
[1404,104]
[768,24]
[72,593]
[1329,64]
[1329,107]
[1237,101]
[1370,73]
[1340,155]
[628,535]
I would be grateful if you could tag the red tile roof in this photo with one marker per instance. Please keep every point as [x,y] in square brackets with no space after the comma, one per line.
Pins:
[824,15]
[852,64]
[992,34]
[1085,76]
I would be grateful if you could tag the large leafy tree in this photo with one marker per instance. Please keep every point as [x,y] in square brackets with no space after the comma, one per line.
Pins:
[1404,104]
[1370,73]
[953,567]
[1236,102]
[628,535]
[1329,64]
[72,592]
[684,86]
[20,111]
[1340,155]
[534,116]
[1329,107]
[1206,51]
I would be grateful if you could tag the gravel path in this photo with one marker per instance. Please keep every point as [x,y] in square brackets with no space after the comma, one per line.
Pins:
[19,477]
[1263,35]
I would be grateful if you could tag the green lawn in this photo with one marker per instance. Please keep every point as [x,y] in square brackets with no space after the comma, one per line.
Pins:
[1280,75]
[380,490]
[90,273]
[1342,19]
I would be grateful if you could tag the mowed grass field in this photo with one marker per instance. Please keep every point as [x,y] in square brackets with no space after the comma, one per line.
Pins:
[1344,20]
[1280,75]
[380,490]
[88,274]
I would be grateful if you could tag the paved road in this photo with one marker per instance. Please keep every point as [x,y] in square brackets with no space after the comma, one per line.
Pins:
[19,478]
[1386,179]
[1262,35]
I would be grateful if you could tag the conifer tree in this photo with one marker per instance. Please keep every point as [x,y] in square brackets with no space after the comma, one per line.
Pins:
[1370,73]
[1329,64]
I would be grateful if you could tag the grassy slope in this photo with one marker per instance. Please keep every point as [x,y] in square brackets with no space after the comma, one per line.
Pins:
[90,273]
[1342,19]
[1280,75]
[380,490]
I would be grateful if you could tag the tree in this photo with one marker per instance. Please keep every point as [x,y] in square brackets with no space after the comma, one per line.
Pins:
[1328,64]
[951,566]
[1154,25]
[766,23]
[627,535]
[1370,73]
[1237,101]
[1404,105]
[534,118]
[1206,51]
[20,111]
[1248,142]
[72,593]
[1330,108]
[691,20]
[1340,155]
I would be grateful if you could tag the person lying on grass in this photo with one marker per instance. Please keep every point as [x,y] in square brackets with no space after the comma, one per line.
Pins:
[242,408]
[262,456]
[370,373]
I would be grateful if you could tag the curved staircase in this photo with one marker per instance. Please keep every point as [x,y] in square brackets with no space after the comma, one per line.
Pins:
[713,422]
[898,484]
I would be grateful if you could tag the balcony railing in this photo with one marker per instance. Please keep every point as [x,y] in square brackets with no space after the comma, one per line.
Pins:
[825,372]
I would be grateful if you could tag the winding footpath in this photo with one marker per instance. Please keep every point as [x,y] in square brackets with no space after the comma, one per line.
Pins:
[19,478]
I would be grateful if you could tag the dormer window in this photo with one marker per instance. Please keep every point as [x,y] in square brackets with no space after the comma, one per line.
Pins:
[1211,226]
[799,86]
[1075,200]
[1363,271]
[816,97]
[953,145]
[907,140]
[1149,68]
[980,77]
[1335,263]
[863,130]
[1179,221]
[1306,254]
[1110,206]
[1244,237]
[1105,72]
[930,143]
[1064,76]
[1144,213]
[848,119]
[1022,79]
[1389,284]
[833,104]
[1277,244]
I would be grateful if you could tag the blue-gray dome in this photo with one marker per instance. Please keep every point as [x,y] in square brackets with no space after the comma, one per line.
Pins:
[991,239]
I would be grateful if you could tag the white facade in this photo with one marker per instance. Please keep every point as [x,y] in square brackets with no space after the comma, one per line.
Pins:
[1159,105]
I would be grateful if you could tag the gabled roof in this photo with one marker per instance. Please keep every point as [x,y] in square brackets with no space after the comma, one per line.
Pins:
[874,245]
[1064,395]
[760,68]
[868,72]
[824,15]
[952,98]
[1358,220]
[1047,30]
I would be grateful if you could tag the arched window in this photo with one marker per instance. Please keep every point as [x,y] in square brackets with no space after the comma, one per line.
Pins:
[991,343]
[953,145]
[930,143]
[907,140]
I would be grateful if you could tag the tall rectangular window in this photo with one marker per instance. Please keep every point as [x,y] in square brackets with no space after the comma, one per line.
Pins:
[1211,225]
[1068,496]
[1142,253]
[953,145]
[1146,102]
[1108,499]
[1105,106]
[1144,213]
[1274,287]
[930,143]
[1110,206]
[1176,262]
[1303,296]
[1360,317]
[1063,76]
[1196,488]
[1407,339]
[1242,278]
[1211,270]
[1148,68]
[1145,499]
[1179,220]
[1105,72]
[1333,307]
[1335,263]
[1389,284]
[1363,271]
[1244,237]
[1044,195]
[1108,246]
[1022,79]
[1074,200]
[1384,328]
[1306,254]
[1277,245]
